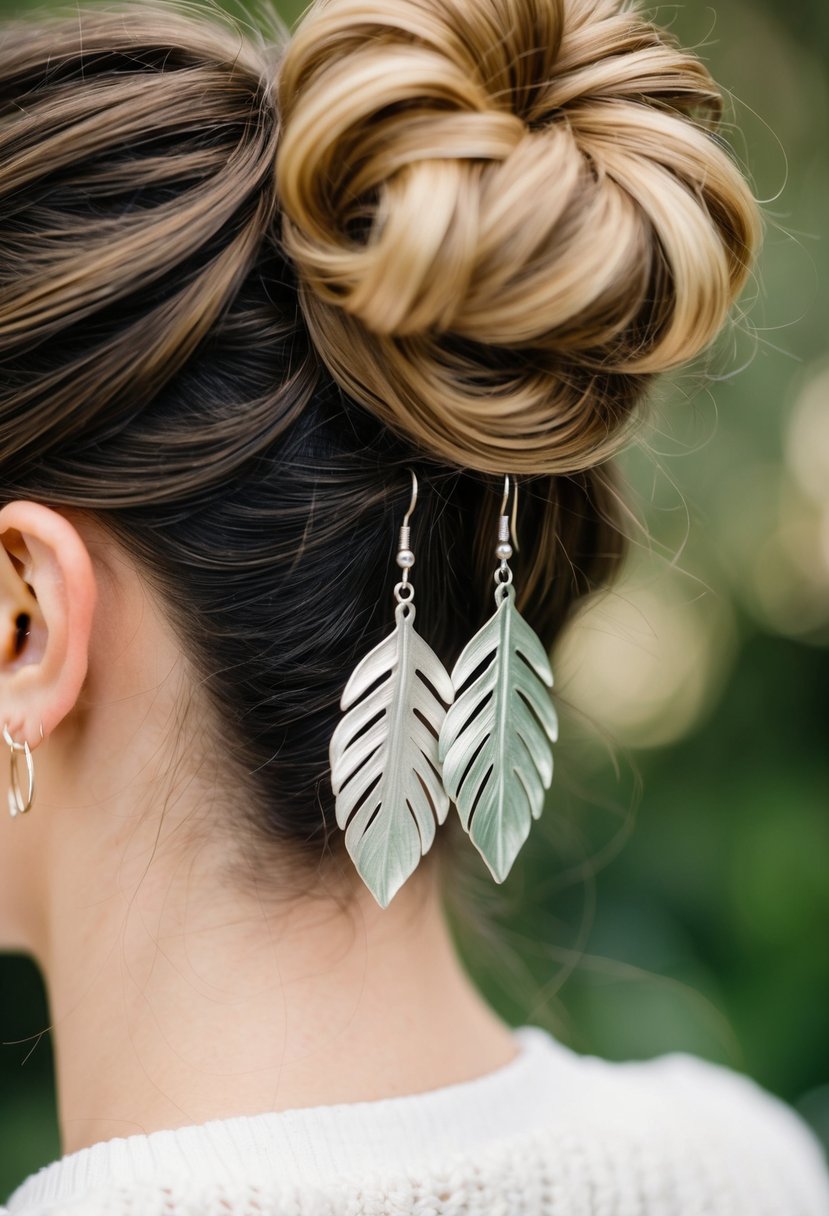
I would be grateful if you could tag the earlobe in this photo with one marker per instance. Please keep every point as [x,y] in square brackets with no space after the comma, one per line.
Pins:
[47,601]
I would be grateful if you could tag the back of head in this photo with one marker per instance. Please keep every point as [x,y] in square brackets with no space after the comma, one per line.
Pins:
[507,216]
[248,280]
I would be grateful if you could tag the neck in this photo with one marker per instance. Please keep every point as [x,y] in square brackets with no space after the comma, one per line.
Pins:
[180,994]
[175,1001]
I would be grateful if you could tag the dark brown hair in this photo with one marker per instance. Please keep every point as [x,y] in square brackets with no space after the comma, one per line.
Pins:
[211,378]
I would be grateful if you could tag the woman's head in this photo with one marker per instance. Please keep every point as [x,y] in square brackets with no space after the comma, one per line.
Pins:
[248,282]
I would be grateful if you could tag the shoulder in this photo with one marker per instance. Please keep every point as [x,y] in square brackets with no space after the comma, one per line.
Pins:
[691,1127]
[553,1132]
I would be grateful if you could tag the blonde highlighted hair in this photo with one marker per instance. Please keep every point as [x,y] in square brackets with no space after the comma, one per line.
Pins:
[507,215]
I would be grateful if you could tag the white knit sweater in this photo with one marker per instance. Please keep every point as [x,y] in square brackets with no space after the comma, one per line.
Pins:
[552,1133]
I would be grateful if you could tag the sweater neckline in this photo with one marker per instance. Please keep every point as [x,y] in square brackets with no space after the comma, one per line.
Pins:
[316,1143]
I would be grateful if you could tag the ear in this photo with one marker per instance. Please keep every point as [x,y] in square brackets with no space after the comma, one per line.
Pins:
[47,599]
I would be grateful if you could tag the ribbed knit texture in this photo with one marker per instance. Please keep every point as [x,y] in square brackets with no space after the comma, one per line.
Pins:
[553,1133]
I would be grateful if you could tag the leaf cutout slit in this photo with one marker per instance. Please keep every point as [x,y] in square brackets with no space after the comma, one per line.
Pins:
[429,725]
[472,760]
[428,793]
[434,767]
[424,676]
[373,816]
[366,794]
[354,748]
[480,792]
[475,674]
[413,814]
[363,730]
[374,686]
[479,709]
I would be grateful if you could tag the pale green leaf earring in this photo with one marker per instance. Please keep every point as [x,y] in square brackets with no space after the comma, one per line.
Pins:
[496,740]
[385,771]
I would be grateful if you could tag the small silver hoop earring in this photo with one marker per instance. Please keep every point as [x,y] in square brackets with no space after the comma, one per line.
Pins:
[18,805]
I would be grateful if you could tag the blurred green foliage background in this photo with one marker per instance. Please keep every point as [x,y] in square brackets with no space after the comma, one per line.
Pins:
[674,895]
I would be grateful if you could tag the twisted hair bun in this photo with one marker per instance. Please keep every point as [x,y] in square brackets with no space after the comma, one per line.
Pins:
[506,215]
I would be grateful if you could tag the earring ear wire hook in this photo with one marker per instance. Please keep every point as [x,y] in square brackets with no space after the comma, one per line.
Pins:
[413,503]
[405,554]
[514,516]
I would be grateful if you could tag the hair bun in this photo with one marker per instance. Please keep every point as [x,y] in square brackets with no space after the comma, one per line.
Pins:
[505,215]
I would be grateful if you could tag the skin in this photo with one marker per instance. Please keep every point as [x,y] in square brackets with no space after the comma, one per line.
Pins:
[178,994]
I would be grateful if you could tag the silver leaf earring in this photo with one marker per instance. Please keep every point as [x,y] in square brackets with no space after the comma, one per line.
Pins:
[495,743]
[385,771]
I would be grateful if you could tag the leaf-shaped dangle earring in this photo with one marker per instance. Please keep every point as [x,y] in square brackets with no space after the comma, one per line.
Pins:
[385,771]
[496,740]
